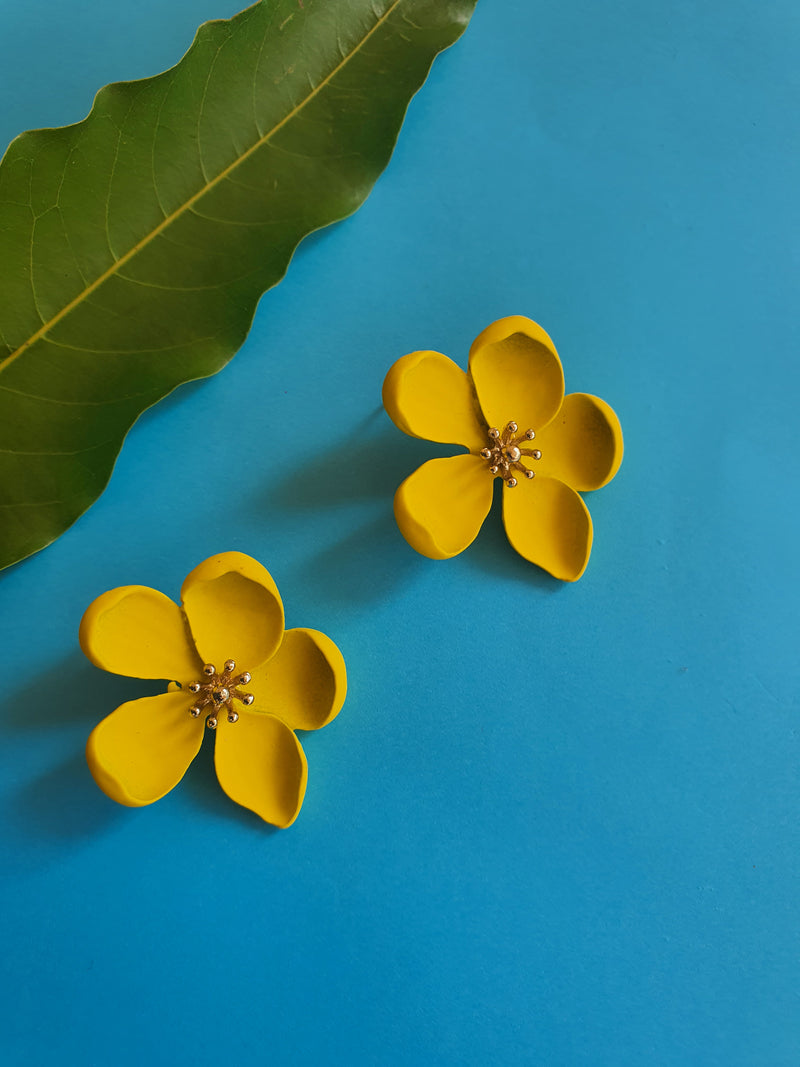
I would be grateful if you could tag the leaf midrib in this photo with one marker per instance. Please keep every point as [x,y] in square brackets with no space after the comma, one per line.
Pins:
[188,204]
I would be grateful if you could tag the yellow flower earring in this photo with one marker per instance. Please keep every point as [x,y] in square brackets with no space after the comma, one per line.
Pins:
[509,410]
[235,670]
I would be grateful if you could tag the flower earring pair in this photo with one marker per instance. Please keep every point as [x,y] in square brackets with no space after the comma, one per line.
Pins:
[236,670]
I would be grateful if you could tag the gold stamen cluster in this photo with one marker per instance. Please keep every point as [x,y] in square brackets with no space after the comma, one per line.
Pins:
[218,690]
[504,453]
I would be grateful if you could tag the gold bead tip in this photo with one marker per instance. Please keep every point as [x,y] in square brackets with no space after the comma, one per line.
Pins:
[530,434]
[537,453]
[243,679]
[486,453]
[211,722]
[209,669]
[511,483]
[494,432]
[530,474]
[512,427]
[230,665]
[233,716]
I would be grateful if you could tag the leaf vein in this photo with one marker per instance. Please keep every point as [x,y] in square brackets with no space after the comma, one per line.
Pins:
[68,239]
[156,128]
[127,351]
[112,172]
[31,277]
[201,111]
[76,452]
[257,71]
[231,222]
[72,403]
[32,504]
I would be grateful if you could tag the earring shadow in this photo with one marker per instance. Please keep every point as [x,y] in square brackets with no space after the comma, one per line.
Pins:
[200,781]
[368,463]
[74,692]
[365,466]
[492,553]
[64,804]
[367,564]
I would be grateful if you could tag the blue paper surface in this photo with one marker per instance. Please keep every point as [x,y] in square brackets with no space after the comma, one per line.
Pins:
[554,824]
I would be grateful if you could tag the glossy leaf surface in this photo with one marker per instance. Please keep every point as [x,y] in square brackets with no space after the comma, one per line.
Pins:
[135,245]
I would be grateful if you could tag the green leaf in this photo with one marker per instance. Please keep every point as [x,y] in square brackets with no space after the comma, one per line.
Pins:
[134,245]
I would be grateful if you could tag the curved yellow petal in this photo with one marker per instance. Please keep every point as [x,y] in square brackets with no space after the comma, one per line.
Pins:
[517,374]
[261,765]
[582,446]
[428,395]
[143,749]
[304,683]
[139,632]
[234,610]
[441,506]
[549,524]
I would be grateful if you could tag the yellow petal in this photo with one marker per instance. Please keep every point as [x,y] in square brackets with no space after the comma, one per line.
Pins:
[234,610]
[304,683]
[582,446]
[261,765]
[139,632]
[517,374]
[441,506]
[549,524]
[143,749]
[428,395]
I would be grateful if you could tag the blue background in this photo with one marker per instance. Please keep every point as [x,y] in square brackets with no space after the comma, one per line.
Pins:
[554,824]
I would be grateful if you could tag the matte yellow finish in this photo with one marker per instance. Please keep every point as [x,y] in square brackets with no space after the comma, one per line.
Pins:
[549,525]
[582,446]
[232,605]
[234,610]
[261,766]
[138,632]
[428,395]
[143,749]
[440,508]
[304,683]
[515,375]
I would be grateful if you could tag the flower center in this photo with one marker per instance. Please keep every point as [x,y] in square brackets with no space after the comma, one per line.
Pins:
[217,690]
[504,453]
